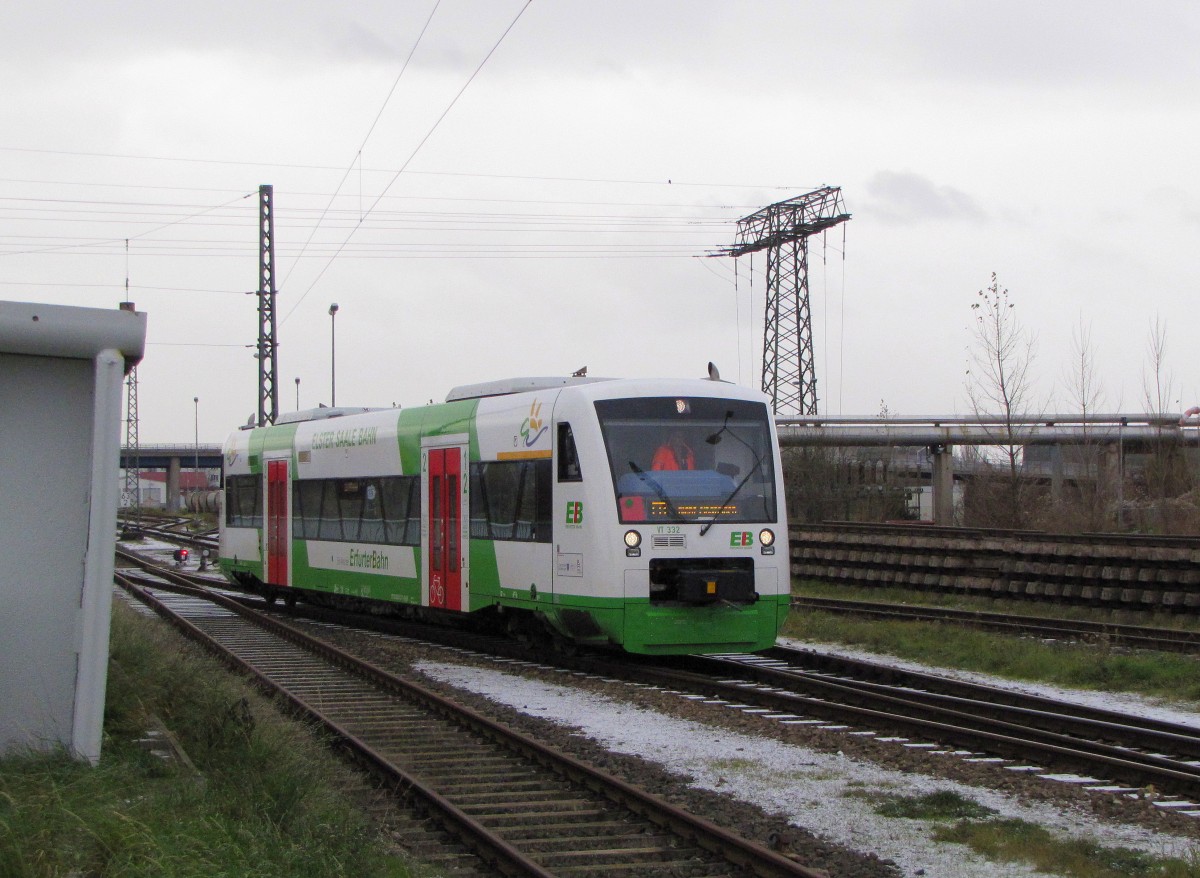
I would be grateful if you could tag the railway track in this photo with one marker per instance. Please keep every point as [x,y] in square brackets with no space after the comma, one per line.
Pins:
[174,530]
[1116,570]
[1112,753]
[1136,636]
[525,809]
[991,723]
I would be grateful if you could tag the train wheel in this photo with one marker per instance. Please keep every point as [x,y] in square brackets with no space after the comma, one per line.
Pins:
[290,600]
[518,628]
[270,597]
[563,646]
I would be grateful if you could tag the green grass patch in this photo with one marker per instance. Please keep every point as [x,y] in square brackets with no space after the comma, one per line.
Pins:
[268,800]
[1079,665]
[733,765]
[943,805]
[1018,841]
[1004,840]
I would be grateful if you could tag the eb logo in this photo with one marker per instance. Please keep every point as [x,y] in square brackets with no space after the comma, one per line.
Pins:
[740,540]
[574,512]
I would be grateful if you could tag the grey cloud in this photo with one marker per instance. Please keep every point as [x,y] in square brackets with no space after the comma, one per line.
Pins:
[903,196]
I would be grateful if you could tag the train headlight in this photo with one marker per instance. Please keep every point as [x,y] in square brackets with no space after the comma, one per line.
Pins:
[633,544]
[766,539]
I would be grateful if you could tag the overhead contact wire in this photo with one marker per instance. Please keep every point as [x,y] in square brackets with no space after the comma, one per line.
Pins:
[413,154]
[371,130]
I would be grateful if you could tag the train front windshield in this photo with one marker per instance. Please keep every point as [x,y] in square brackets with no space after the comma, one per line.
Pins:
[689,459]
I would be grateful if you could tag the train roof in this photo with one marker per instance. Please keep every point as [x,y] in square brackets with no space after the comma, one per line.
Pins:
[517,385]
[322,413]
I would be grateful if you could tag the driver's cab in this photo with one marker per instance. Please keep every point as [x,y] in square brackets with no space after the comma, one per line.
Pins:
[689,459]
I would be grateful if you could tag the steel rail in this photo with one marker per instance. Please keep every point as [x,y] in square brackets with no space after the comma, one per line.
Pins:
[951,707]
[911,679]
[958,704]
[1116,735]
[494,850]
[699,831]
[1143,637]
[953,727]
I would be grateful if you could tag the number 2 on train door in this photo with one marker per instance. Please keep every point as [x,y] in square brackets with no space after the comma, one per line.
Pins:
[443,510]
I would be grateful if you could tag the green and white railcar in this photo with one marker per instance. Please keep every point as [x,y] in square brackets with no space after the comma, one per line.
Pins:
[542,501]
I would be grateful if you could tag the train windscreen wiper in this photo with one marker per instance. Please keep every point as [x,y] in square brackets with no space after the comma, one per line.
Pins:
[713,440]
[725,504]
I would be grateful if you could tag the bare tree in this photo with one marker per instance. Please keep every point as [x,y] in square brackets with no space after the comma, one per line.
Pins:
[1158,385]
[1165,474]
[999,386]
[1087,497]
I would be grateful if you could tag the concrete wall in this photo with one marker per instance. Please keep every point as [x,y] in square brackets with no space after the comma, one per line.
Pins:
[61,372]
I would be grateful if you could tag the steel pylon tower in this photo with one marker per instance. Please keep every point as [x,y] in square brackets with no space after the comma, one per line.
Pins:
[267,353]
[783,229]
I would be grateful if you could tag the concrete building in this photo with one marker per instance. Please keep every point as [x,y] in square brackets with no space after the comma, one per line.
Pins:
[61,374]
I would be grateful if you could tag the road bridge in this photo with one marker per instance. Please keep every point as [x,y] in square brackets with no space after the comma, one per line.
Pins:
[172,457]
[1113,434]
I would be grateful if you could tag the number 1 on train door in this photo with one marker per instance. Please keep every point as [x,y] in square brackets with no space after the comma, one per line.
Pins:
[443,510]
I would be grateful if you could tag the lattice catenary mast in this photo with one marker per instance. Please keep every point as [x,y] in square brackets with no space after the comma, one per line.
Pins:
[783,229]
[267,353]
[133,461]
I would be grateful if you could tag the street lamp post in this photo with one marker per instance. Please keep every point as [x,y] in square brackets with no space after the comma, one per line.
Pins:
[297,394]
[333,309]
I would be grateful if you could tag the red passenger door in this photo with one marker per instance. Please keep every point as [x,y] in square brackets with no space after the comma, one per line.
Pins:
[278,531]
[443,513]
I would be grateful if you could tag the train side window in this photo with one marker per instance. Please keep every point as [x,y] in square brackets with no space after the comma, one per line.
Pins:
[511,500]
[306,508]
[330,519]
[350,504]
[568,458]
[525,526]
[396,492]
[541,474]
[233,502]
[479,514]
[413,537]
[243,501]
[374,513]
[499,492]
[501,482]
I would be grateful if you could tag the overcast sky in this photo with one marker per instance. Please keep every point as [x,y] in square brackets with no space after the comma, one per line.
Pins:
[554,209]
